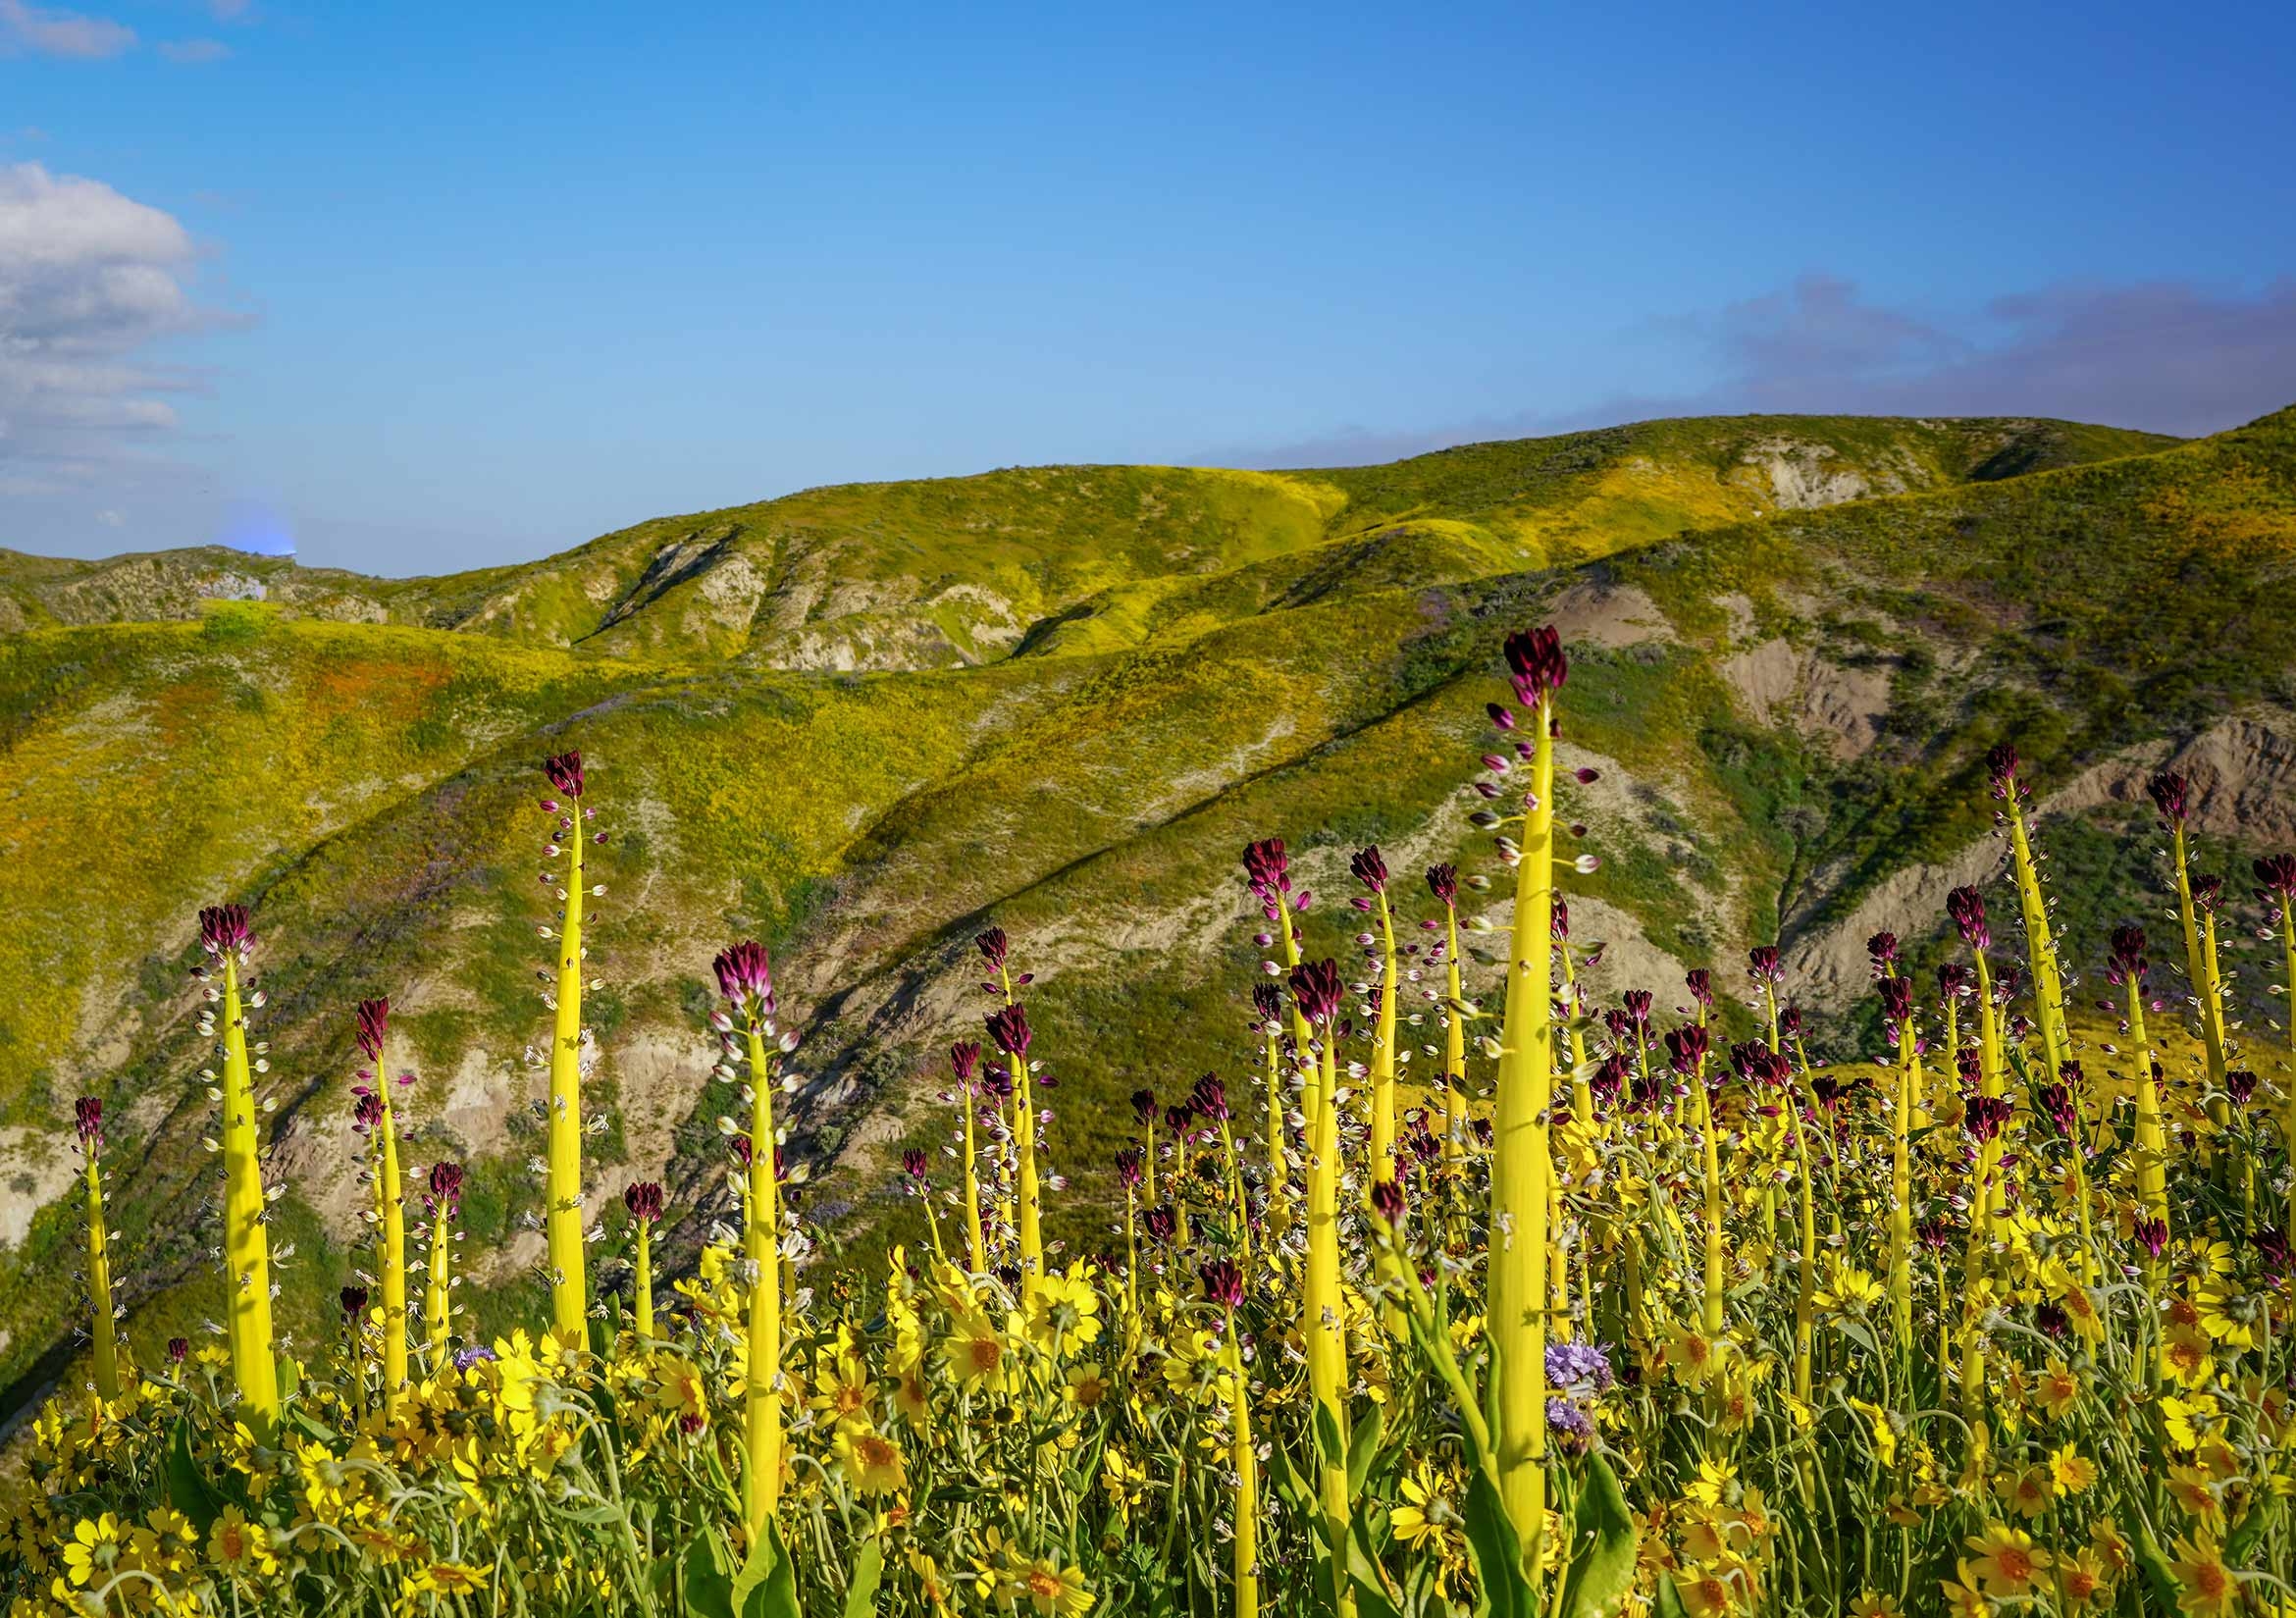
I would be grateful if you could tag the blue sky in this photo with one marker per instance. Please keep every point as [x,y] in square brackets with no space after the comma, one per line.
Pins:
[417,287]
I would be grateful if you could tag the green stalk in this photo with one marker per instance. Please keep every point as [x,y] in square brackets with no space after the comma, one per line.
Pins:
[247,1248]
[1521,1165]
[569,1286]
[102,1328]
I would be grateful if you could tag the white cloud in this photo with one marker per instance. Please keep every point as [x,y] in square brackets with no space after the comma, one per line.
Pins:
[90,281]
[46,32]
[194,52]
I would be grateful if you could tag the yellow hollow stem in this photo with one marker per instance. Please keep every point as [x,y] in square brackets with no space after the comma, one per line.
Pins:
[1323,1325]
[1382,1097]
[391,1203]
[1454,1037]
[104,1329]
[2040,949]
[562,1222]
[762,1246]
[247,1249]
[2151,1136]
[642,1284]
[439,1296]
[1246,1462]
[1279,1171]
[975,1241]
[1902,1187]
[1522,1165]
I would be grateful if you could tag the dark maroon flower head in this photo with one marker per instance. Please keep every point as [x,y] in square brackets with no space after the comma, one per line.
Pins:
[2272,1244]
[745,976]
[1536,663]
[1558,920]
[2126,960]
[565,772]
[1881,949]
[2052,1321]
[367,1112]
[222,929]
[1966,907]
[642,1198]
[1953,981]
[1969,1065]
[1268,869]
[1610,1080]
[1180,1119]
[2172,794]
[2240,1084]
[374,1018]
[1479,1128]
[447,1185]
[1637,1005]
[1700,984]
[1763,966]
[1444,882]
[1828,1089]
[1756,1064]
[2001,764]
[2151,1235]
[1984,1115]
[1387,1200]
[914,1162]
[1936,1234]
[1316,990]
[1686,1048]
[1223,1282]
[1161,1224]
[88,1120]
[2207,892]
[2275,877]
[354,1302]
[1369,869]
[1128,1163]
[997,1080]
[1210,1098]
[993,946]
[1144,1107]
[1267,1004]
[1008,1027]
[2056,1103]
[964,1058]
[1790,1023]
[178,1350]
[1897,998]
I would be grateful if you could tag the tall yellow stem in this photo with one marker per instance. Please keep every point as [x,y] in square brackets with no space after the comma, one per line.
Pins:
[247,1248]
[562,1222]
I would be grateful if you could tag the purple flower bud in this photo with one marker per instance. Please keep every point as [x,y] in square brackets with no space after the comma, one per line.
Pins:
[1700,984]
[1387,1200]
[565,772]
[2240,1084]
[1536,663]
[1162,1225]
[964,1058]
[178,1350]
[745,976]
[1369,868]
[1897,998]
[1984,1115]
[1966,907]
[1267,869]
[1686,1048]
[1210,1098]
[2172,794]
[2207,892]
[1144,1107]
[642,1198]
[1007,1027]
[2126,961]
[1266,1004]
[1129,1164]
[87,1118]
[447,1185]
[1316,990]
[993,946]
[1223,1282]
[1882,948]
[2151,1235]
[2275,876]
[367,1112]
[1763,966]
[1637,1005]
[224,928]
[374,1018]
[1444,882]
[354,1302]
[1503,717]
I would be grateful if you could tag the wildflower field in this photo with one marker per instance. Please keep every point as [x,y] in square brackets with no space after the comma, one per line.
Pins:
[1584,1298]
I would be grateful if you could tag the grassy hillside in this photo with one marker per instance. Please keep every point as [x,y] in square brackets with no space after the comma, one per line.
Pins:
[861,723]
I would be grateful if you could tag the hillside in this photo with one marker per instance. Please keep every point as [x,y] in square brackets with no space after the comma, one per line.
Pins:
[862,722]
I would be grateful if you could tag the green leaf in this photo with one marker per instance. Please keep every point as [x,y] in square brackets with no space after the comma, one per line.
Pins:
[2164,1585]
[766,1585]
[189,1489]
[869,1570]
[706,1577]
[1601,1575]
[1363,1447]
[1507,1591]
[1667,1603]
[1371,1599]
[2243,1537]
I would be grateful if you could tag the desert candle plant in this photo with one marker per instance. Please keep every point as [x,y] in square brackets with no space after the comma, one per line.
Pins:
[87,1116]
[564,1216]
[225,935]
[1371,869]
[441,1206]
[1521,1162]
[374,1025]
[745,976]
[642,1199]
[1323,1326]
[1442,881]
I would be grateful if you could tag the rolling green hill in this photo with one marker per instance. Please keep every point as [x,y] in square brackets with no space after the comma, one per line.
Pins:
[862,722]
